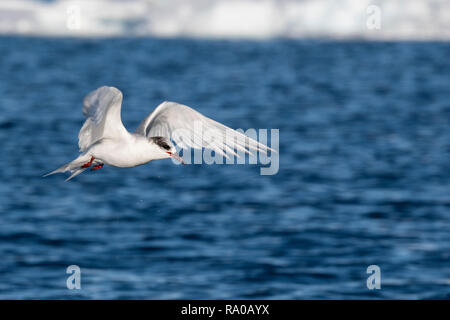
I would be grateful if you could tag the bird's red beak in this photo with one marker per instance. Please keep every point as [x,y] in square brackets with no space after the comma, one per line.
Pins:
[176,156]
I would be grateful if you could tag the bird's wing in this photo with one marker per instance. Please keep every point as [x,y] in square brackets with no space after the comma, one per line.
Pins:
[102,110]
[189,128]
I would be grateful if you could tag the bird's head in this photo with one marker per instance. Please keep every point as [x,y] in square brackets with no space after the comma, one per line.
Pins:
[166,147]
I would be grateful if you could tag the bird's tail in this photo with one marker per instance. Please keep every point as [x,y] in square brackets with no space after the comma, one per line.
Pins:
[75,167]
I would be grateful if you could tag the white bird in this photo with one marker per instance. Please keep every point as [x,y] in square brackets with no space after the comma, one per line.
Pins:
[104,140]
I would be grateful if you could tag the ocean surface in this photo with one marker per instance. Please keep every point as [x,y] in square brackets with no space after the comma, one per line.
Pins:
[364,176]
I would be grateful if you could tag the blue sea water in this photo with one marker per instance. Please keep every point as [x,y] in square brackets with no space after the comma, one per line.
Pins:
[364,175]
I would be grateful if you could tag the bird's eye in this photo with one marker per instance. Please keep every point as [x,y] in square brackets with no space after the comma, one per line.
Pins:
[166,146]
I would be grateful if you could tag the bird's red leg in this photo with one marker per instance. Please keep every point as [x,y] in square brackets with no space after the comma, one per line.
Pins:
[88,164]
[99,166]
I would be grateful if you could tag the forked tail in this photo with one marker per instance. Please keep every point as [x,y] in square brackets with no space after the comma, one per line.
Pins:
[75,167]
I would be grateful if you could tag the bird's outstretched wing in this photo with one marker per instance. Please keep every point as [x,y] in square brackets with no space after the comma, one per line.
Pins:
[189,128]
[102,110]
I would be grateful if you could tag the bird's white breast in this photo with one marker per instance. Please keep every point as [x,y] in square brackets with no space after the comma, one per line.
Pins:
[125,153]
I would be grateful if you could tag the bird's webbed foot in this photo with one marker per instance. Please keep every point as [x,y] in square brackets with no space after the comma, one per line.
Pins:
[88,164]
[98,166]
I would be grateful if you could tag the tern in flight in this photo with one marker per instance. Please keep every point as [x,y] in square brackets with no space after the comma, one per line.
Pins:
[104,140]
